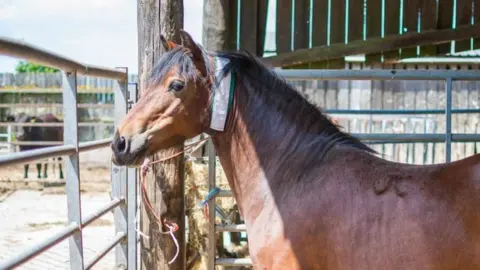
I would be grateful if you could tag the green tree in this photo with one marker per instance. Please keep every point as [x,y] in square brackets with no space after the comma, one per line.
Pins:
[23,67]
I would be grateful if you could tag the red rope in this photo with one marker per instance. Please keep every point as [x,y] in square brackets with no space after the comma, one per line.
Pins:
[172,226]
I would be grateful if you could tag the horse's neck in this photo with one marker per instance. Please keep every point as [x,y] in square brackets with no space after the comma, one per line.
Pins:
[252,152]
[243,170]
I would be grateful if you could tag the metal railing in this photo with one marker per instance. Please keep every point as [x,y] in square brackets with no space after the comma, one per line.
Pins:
[124,186]
[449,76]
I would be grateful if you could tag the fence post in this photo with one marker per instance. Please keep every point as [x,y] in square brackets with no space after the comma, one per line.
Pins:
[9,139]
[72,169]
[212,158]
[132,206]
[448,120]
[119,178]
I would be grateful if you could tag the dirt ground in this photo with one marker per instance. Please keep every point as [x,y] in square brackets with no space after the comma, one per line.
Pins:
[29,221]
[93,179]
[31,216]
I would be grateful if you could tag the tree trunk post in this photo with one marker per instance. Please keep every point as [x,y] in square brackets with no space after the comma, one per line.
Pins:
[165,182]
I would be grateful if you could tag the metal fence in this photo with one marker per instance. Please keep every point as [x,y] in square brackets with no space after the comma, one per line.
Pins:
[124,186]
[448,76]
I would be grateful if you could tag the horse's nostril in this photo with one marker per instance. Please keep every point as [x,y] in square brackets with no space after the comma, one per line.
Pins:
[121,144]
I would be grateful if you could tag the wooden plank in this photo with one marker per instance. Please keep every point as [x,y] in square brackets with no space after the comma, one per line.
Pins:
[428,21]
[320,22]
[319,26]
[374,26]
[216,31]
[444,21]
[464,16]
[284,26]
[337,23]
[301,19]
[410,24]
[337,26]
[157,250]
[373,45]
[232,24]
[262,12]
[392,25]
[355,20]
[248,26]
[476,17]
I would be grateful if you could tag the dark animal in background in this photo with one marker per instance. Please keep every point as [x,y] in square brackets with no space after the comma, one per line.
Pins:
[37,134]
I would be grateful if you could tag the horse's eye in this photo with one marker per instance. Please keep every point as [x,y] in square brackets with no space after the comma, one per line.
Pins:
[176,86]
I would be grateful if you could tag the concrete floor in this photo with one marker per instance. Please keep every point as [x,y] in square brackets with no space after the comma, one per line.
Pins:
[28,217]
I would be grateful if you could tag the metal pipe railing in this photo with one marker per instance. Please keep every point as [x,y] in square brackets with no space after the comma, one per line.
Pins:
[400,112]
[49,152]
[233,262]
[71,150]
[21,49]
[421,137]
[231,228]
[87,146]
[102,211]
[379,74]
[33,155]
[118,238]
[37,249]
[49,124]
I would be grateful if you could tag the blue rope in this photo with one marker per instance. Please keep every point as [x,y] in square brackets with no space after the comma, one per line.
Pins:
[209,196]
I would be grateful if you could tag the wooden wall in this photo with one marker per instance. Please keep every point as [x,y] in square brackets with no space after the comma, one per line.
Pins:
[311,23]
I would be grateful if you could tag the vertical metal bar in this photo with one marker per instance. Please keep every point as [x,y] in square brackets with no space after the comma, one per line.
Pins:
[119,178]
[72,169]
[132,199]
[211,205]
[448,120]
[9,138]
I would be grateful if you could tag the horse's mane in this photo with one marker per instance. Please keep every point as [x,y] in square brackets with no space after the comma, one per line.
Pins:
[269,98]
[277,95]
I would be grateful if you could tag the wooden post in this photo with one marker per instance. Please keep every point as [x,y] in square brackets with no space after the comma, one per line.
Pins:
[216,18]
[165,182]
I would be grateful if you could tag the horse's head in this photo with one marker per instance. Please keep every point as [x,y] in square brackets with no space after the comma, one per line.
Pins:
[22,133]
[174,105]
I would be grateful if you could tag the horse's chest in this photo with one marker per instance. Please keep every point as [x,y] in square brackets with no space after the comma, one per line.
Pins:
[269,247]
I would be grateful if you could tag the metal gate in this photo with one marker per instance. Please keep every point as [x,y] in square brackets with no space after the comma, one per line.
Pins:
[124,184]
[448,76]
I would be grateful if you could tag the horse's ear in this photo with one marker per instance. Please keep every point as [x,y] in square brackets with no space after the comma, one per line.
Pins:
[167,45]
[189,43]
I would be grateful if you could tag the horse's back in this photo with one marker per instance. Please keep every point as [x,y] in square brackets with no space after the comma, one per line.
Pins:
[423,217]
[388,216]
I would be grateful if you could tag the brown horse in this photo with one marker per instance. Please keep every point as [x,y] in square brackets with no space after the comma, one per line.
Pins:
[312,196]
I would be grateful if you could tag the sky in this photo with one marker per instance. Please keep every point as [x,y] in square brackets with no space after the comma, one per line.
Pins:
[97,32]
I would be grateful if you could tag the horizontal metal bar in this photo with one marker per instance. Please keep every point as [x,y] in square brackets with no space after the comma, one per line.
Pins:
[87,146]
[376,74]
[37,249]
[53,105]
[46,143]
[233,262]
[224,193]
[84,124]
[102,211]
[21,49]
[397,112]
[118,238]
[32,155]
[423,137]
[231,228]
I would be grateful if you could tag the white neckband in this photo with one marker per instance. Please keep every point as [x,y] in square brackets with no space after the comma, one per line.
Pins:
[222,95]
